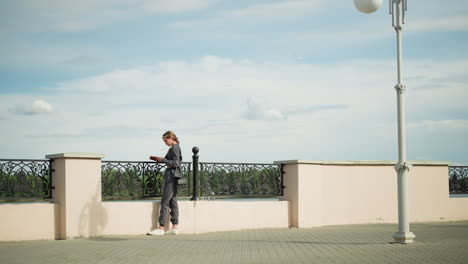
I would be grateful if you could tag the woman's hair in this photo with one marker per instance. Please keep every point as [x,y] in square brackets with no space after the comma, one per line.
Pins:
[170,134]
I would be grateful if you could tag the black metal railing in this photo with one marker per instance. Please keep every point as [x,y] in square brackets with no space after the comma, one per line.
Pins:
[141,179]
[137,179]
[458,179]
[240,179]
[23,179]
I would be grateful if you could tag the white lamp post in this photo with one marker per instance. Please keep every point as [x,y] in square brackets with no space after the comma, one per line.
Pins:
[397,11]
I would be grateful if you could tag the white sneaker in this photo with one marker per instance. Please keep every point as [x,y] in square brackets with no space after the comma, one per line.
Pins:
[156,232]
[172,232]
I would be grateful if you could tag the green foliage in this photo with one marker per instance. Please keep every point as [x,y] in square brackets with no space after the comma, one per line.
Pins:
[24,180]
[240,180]
[138,180]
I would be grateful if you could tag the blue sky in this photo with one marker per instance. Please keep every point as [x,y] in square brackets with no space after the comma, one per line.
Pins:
[245,81]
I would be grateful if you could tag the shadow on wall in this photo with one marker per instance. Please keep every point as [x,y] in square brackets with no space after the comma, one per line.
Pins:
[93,218]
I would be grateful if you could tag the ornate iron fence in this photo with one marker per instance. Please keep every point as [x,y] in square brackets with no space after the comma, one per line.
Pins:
[25,179]
[240,179]
[137,179]
[458,179]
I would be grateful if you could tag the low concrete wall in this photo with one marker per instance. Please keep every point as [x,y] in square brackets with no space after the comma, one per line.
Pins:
[35,221]
[458,208]
[354,192]
[139,217]
[28,221]
[317,193]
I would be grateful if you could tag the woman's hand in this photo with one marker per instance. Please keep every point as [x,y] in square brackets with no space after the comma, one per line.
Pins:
[155,158]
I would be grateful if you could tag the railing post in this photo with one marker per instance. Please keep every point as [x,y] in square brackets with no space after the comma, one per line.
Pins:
[195,173]
[51,183]
[281,180]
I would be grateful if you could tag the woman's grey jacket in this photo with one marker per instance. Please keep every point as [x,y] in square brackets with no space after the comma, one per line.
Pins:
[173,161]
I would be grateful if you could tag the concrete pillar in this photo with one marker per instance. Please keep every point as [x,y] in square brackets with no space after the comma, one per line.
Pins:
[303,189]
[77,181]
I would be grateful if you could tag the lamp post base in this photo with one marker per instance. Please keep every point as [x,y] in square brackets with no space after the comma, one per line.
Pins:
[404,238]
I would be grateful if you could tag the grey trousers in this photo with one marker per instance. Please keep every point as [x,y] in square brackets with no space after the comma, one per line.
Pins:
[169,201]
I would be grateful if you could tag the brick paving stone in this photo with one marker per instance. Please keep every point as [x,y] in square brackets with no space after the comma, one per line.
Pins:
[441,242]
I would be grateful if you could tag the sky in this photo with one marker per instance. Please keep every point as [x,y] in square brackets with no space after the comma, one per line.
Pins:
[245,81]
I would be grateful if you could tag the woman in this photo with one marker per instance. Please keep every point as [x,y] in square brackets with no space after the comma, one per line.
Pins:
[173,173]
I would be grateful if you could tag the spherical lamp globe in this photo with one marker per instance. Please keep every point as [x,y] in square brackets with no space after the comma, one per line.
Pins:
[367,6]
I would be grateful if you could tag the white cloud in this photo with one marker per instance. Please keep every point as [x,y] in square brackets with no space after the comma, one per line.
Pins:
[336,34]
[115,81]
[340,36]
[450,23]
[77,16]
[290,87]
[257,111]
[341,111]
[257,13]
[176,6]
[276,10]
[35,108]
[450,125]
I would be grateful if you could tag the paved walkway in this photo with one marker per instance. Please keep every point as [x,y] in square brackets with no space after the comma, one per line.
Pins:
[436,243]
